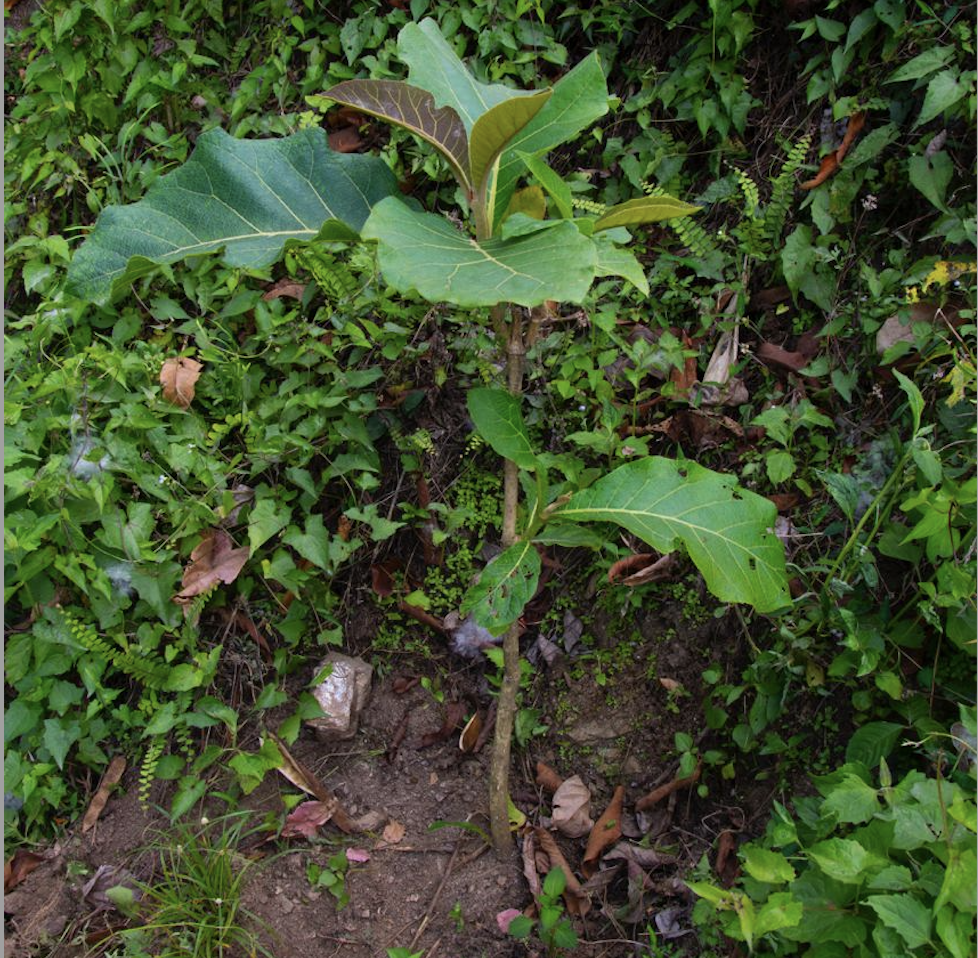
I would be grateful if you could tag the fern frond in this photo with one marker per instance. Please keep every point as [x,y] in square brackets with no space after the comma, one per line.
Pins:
[783,189]
[588,206]
[689,232]
[148,669]
[147,769]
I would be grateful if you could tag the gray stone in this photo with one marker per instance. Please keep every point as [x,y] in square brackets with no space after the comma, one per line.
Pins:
[342,696]
[590,731]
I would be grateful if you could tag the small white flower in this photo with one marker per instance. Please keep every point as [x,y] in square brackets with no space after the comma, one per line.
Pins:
[204,820]
[582,408]
[870,202]
[218,902]
[161,480]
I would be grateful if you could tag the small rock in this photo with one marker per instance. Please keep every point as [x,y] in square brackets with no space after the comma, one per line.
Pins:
[342,696]
[364,912]
[286,905]
[502,881]
[413,898]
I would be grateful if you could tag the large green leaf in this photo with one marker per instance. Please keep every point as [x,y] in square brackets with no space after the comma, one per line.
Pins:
[614,261]
[433,66]
[727,531]
[559,191]
[579,98]
[415,110]
[499,420]
[504,588]
[247,198]
[496,127]
[426,253]
[646,209]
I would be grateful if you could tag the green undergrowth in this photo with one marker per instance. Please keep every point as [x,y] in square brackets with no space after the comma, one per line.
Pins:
[305,419]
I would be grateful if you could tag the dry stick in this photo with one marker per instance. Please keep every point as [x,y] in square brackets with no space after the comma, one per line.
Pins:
[435,897]
[502,843]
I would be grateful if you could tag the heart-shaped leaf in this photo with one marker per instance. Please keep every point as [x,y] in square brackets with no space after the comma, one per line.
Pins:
[426,253]
[243,198]
[727,531]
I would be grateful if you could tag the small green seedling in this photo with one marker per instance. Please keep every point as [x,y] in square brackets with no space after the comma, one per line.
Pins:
[553,929]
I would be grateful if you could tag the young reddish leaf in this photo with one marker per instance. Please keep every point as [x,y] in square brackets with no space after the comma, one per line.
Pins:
[214,560]
[505,918]
[357,855]
[178,378]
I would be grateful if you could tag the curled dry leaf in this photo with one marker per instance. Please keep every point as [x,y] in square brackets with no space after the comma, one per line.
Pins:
[783,359]
[393,833]
[110,779]
[178,377]
[470,734]
[663,791]
[305,778]
[214,560]
[572,804]
[727,867]
[831,162]
[23,863]
[547,778]
[642,568]
[576,900]
[606,831]
[305,820]
[646,858]
[285,289]
[454,717]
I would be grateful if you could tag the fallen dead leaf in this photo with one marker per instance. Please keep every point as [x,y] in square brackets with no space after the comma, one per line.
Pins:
[571,808]
[393,833]
[214,560]
[285,289]
[345,140]
[305,778]
[727,867]
[576,899]
[647,858]
[382,580]
[470,734]
[23,862]
[306,819]
[357,855]
[178,378]
[109,780]
[657,794]
[547,778]
[783,359]
[642,568]
[606,831]
[831,162]
[454,716]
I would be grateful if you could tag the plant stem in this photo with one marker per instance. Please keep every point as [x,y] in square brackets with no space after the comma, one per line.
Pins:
[506,706]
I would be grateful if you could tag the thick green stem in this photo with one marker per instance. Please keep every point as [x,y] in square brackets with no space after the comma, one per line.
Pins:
[506,706]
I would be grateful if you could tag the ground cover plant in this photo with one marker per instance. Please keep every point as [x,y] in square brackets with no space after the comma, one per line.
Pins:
[216,467]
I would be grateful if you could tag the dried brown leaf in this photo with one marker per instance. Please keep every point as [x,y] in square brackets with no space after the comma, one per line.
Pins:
[345,140]
[454,717]
[110,779]
[547,778]
[305,778]
[576,900]
[470,734]
[783,359]
[651,569]
[285,289]
[178,378]
[572,805]
[606,831]
[831,162]
[306,819]
[393,833]
[657,794]
[727,867]
[214,560]
[22,864]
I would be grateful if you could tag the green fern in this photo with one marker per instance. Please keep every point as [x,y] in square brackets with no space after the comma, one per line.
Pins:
[192,611]
[689,232]
[147,768]
[334,279]
[148,669]
[588,206]
[783,190]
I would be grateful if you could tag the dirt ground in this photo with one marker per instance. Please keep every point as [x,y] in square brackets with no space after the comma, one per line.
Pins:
[439,891]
